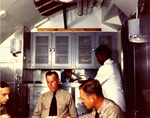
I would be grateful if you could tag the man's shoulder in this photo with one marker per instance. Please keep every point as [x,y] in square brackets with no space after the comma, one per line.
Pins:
[111,66]
[108,101]
[64,92]
[112,108]
[111,104]
[45,94]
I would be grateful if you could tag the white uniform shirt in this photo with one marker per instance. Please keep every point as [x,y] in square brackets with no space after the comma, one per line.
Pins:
[111,82]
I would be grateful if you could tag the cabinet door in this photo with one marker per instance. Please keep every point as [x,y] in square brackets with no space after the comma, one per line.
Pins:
[61,50]
[84,49]
[109,39]
[41,49]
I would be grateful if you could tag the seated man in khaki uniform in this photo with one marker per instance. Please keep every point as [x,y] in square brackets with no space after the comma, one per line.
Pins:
[92,96]
[56,102]
[4,97]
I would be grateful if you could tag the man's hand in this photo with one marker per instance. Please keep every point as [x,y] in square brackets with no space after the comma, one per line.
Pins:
[5,116]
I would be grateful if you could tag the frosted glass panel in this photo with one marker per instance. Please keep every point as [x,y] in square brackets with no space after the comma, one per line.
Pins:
[85,60]
[41,49]
[62,59]
[42,39]
[105,40]
[61,50]
[61,39]
[42,59]
[85,52]
[85,49]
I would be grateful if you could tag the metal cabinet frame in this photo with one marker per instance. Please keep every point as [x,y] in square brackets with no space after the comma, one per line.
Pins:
[73,49]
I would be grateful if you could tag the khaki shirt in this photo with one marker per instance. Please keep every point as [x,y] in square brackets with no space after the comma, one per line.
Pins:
[65,105]
[108,109]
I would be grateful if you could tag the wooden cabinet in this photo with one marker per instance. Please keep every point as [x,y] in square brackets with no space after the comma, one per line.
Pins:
[60,50]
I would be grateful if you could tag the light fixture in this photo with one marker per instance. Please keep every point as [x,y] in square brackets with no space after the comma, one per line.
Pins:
[3,14]
[15,46]
[134,29]
[65,1]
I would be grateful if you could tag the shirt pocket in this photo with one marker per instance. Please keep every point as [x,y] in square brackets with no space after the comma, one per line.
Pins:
[63,107]
[45,110]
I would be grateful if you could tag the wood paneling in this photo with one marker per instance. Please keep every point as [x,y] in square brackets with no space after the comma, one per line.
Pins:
[69,29]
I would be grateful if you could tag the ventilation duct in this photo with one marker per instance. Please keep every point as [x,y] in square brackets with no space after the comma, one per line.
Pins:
[118,11]
[85,7]
[128,7]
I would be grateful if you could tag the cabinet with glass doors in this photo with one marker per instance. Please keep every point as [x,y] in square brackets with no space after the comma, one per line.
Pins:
[51,50]
[84,45]
[109,39]
[69,49]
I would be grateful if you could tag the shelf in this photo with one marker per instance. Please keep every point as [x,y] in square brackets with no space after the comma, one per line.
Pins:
[85,55]
[62,44]
[83,44]
[42,44]
[62,55]
[37,55]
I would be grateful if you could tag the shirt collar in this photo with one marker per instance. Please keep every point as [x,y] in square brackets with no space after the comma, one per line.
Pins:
[94,112]
[57,92]
[100,110]
[108,61]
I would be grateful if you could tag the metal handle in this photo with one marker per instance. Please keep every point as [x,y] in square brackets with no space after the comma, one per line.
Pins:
[49,49]
[53,49]
[93,49]
[38,92]
[18,77]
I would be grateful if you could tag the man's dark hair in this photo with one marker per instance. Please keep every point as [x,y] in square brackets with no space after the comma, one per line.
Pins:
[49,73]
[68,70]
[103,50]
[92,87]
[3,85]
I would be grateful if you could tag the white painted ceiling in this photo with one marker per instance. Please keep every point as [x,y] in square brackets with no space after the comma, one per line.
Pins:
[24,13]
[19,13]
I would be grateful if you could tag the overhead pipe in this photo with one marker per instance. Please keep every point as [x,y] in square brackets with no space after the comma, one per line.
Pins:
[99,3]
[79,7]
[65,17]
[90,6]
[85,7]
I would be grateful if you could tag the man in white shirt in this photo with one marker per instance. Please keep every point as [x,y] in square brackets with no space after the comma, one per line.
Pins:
[109,77]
